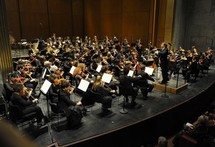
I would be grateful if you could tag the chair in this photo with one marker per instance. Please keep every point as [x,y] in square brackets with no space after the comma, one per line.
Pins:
[17,117]
[94,97]
[56,113]
[3,107]
[7,91]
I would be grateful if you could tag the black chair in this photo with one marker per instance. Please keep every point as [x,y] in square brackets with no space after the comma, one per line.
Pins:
[124,92]
[7,91]
[97,97]
[18,118]
[91,98]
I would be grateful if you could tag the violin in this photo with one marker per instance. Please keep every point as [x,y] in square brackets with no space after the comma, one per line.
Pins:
[58,81]
[27,93]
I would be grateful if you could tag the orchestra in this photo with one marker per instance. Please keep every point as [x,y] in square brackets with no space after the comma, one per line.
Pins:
[57,56]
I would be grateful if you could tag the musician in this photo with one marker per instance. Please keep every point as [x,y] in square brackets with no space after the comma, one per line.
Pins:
[34,49]
[164,62]
[126,83]
[142,82]
[79,73]
[64,101]
[25,105]
[47,68]
[53,92]
[193,68]
[105,92]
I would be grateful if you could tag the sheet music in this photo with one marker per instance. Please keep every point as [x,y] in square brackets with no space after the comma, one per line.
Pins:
[72,70]
[130,73]
[44,73]
[83,85]
[45,87]
[149,70]
[106,77]
[99,67]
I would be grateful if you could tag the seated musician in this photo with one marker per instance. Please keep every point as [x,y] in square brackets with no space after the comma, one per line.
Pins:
[143,84]
[47,67]
[54,88]
[79,73]
[64,101]
[126,83]
[30,82]
[193,69]
[19,98]
[105,92]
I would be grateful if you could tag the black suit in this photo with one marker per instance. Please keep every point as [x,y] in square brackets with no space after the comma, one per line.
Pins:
[26,107]
[64,100]
[105,98]
[142,82]
[126,85]
[163,54]
[65,104]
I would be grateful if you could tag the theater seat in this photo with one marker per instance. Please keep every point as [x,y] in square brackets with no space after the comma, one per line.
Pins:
[187,141]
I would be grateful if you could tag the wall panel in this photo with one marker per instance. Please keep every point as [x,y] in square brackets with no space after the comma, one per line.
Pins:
[77,18]
[111,18]
[13,18]
[122,18]
[135,24]
[60,17]
[34,18]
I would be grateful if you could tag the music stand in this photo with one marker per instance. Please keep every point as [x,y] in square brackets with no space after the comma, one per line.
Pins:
[99,67]
[83,85]
[130,73]
[149,70]
[123,110]
[107,77]
[44,73]
[165,95]
[72,69]
[44,89]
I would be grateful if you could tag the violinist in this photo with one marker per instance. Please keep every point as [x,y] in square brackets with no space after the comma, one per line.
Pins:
[143,83]
[29,81]
[126,83]
[47,69]
[64,101]
[173,64]
[54,88]
[118,68]
[25,105]
[105,92]
[193,68]
[79,73]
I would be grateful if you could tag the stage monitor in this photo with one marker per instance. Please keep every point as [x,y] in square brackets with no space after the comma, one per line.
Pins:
[106,77]
[83,85]
[72,70]
[99,67]
[130,73]
[45,87]
[149,70]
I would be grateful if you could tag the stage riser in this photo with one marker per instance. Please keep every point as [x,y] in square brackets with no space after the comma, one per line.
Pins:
[147,131]
[171,89]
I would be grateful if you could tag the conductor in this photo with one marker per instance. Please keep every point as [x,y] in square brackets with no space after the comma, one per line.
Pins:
[163,54]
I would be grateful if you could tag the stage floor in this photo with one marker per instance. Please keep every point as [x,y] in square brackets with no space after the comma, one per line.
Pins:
[93,124]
